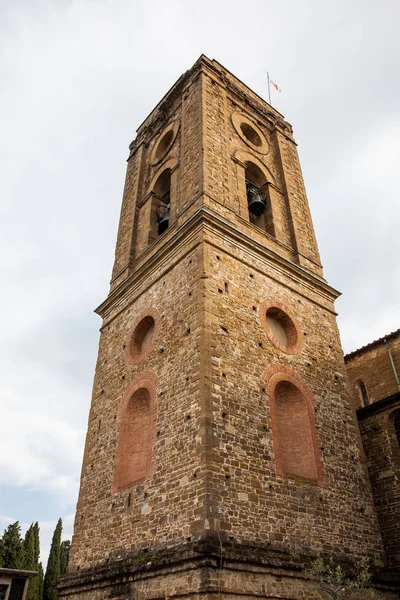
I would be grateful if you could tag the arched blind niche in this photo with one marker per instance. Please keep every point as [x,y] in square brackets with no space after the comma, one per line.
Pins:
[133,456]
[293,436]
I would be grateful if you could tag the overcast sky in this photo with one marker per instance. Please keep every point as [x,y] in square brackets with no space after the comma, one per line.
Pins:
[76,80]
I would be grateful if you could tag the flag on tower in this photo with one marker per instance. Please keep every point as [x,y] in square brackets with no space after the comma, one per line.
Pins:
[276,86]
[278,89]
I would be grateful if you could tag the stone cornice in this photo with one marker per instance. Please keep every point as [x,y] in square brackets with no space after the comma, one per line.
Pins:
[379,406]
[190,234]
[258,250]
[149,262]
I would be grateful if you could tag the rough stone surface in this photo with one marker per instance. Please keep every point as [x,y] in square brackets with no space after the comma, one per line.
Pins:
[220,467]
[381,440]
[371,365]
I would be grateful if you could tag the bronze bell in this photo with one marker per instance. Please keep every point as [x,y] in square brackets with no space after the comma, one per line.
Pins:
[256,201]
[164,221]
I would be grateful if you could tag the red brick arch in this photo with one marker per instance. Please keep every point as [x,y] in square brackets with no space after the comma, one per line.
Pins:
[294,436]
[136,423]
[295,346]
[132,355]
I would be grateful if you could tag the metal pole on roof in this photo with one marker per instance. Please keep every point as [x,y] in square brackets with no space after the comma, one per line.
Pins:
[392,363]
[269,89]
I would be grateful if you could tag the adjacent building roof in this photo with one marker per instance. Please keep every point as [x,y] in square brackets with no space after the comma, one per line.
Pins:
[17,572]
[372,344]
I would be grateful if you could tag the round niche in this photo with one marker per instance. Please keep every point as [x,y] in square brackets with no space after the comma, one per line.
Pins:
[164,142]
[142,336]
[250,133]
[281,327]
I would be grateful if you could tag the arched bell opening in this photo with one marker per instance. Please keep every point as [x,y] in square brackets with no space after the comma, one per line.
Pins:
[162,201]
[258,201]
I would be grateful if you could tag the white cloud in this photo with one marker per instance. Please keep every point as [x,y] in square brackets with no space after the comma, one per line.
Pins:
[38,449]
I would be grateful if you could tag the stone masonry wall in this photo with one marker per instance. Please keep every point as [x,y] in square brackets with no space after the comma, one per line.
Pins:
[252,502]
[382,449]
[372,366]
[222,185]
[210,370]
[162,509]
[133,233]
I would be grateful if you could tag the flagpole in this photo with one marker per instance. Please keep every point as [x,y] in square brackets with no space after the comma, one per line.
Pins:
[269,89]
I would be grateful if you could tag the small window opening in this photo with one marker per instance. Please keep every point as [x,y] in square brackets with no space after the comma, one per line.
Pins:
[363,393]
[258,200]
[281,327]
[251,134]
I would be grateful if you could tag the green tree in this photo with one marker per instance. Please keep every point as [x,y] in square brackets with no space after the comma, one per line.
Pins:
[64,557]
[29,550]
[12,549]
[31,560]
[35,582]
[40,579]
[334,583]
[53,565]
[37,542]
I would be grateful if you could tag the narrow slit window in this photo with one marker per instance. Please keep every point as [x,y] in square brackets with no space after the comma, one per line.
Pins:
[363,393]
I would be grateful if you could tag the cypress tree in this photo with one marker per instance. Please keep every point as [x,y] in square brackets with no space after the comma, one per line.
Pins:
[40,579]
[31,548]
[64,557]
[53,565]
[34,585]
[12,549]
[37,542]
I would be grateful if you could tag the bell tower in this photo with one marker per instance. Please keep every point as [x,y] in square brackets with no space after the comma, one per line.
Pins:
[221,445]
